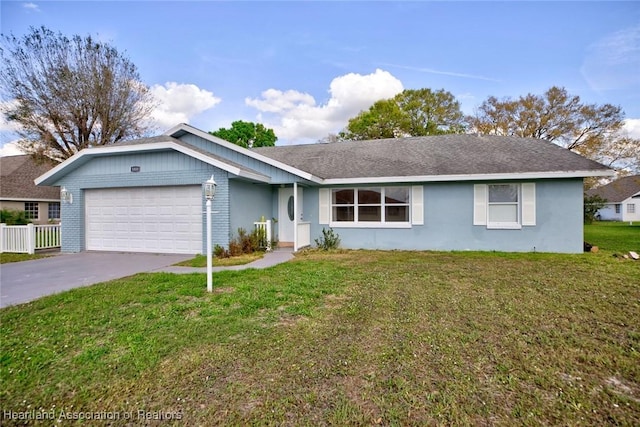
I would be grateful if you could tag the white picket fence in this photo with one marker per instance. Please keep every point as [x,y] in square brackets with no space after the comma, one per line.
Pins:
[264,231]
[27,238]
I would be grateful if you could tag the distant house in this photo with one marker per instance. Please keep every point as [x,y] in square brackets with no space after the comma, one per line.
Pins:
[623,199]
[18,191]
[448,192]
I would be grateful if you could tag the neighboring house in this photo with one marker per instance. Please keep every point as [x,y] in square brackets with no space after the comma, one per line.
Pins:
[450,192]
[623,199]
[19,193]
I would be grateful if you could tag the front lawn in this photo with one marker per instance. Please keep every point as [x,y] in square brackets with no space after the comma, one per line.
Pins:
[613,236]
[7,257]
[340,338]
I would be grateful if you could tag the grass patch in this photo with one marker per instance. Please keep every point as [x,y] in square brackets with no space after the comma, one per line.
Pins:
[613,236]
[342,338]
[201,260]
[7,257]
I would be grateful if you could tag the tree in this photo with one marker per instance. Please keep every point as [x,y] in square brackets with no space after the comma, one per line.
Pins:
[247,134]
[410,113]
[69,94]
[594,131]
[591,206]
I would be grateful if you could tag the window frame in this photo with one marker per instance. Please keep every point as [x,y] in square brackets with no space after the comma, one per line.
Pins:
[631,208]
[32,210]
[57,209]
[509,225]
[356,205]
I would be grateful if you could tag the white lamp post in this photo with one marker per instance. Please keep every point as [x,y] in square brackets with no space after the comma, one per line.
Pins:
[209,193]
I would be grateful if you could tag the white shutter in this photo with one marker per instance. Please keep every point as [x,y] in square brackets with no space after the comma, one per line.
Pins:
[417,205]
[324,204]
[528,203]
[479,204]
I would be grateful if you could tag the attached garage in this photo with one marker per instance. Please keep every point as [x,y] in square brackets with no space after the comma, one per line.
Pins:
[144,219]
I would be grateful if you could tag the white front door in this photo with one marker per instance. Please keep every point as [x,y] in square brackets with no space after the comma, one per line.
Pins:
[286,213]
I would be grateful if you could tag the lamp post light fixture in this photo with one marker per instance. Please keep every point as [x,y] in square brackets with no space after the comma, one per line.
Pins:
[66,195]
[209,193]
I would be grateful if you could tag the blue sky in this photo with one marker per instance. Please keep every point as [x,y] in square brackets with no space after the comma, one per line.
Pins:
[305,68]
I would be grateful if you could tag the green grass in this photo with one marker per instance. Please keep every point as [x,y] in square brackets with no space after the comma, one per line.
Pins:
[7,257]
[201,260]
[613,236]
[342,338]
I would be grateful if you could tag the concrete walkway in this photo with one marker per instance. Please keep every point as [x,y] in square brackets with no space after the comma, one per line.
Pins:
[270,259]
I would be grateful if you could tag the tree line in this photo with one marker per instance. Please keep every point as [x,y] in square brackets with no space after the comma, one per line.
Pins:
[67,94]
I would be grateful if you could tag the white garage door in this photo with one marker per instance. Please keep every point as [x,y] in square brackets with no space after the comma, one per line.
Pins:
[145,219]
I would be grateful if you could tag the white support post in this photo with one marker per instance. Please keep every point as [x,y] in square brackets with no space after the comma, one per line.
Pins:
[295,216]
[31,239]
[268,235]
[3,231]
[209,250]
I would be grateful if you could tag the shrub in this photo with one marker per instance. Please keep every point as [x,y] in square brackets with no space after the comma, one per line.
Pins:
[591,206]
[328,240]
[220,252]
[12,217]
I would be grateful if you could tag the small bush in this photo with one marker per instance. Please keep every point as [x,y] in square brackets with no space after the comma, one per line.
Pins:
[328,240]
[11,217]
[220,252]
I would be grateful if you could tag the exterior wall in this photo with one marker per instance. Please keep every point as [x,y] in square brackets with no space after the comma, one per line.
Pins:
[608,212]
[43,210]
[156,169]
[248,202]
[448,222]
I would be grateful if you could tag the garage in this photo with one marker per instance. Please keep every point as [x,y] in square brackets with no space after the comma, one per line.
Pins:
[144,219]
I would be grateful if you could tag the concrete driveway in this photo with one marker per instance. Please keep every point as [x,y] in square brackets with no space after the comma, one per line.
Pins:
[22,282]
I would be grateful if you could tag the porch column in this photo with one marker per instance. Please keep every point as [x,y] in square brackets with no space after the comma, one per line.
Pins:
[295,216]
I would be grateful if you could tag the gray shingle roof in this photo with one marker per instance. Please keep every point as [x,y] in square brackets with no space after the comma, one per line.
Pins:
[16,179]
[618,190]
[430,155]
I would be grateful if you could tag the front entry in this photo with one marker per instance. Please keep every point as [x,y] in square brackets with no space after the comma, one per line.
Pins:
[286,213]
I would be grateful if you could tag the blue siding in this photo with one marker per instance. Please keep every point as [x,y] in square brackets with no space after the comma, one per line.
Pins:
[156,169]
[248,202]
[449,225]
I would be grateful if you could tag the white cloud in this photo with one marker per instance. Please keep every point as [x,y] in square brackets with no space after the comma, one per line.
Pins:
[613,61]
[296,117]
[10,149]
[179,102]
[632,127]
[31,7]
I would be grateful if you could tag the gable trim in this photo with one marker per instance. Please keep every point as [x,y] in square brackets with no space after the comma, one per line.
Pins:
[175,132]
[156,146]
[477,177]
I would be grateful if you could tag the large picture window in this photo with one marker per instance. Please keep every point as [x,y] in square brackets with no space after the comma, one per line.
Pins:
[370,205]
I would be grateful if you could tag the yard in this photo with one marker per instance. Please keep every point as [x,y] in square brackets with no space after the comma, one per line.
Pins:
[341,338]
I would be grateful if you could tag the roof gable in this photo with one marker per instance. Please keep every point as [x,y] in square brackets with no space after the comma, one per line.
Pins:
[618,190]
[17,174]
[156,143]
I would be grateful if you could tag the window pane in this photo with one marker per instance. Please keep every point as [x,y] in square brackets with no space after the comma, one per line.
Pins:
[370,213]
[396,214]
[369,196]
[342,197]
[503,193]
[503,213]
[54,210]
[396,195]
[31,210]
[343,213]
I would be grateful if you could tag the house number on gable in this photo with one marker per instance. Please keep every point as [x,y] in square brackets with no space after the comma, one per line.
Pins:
[135,168]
